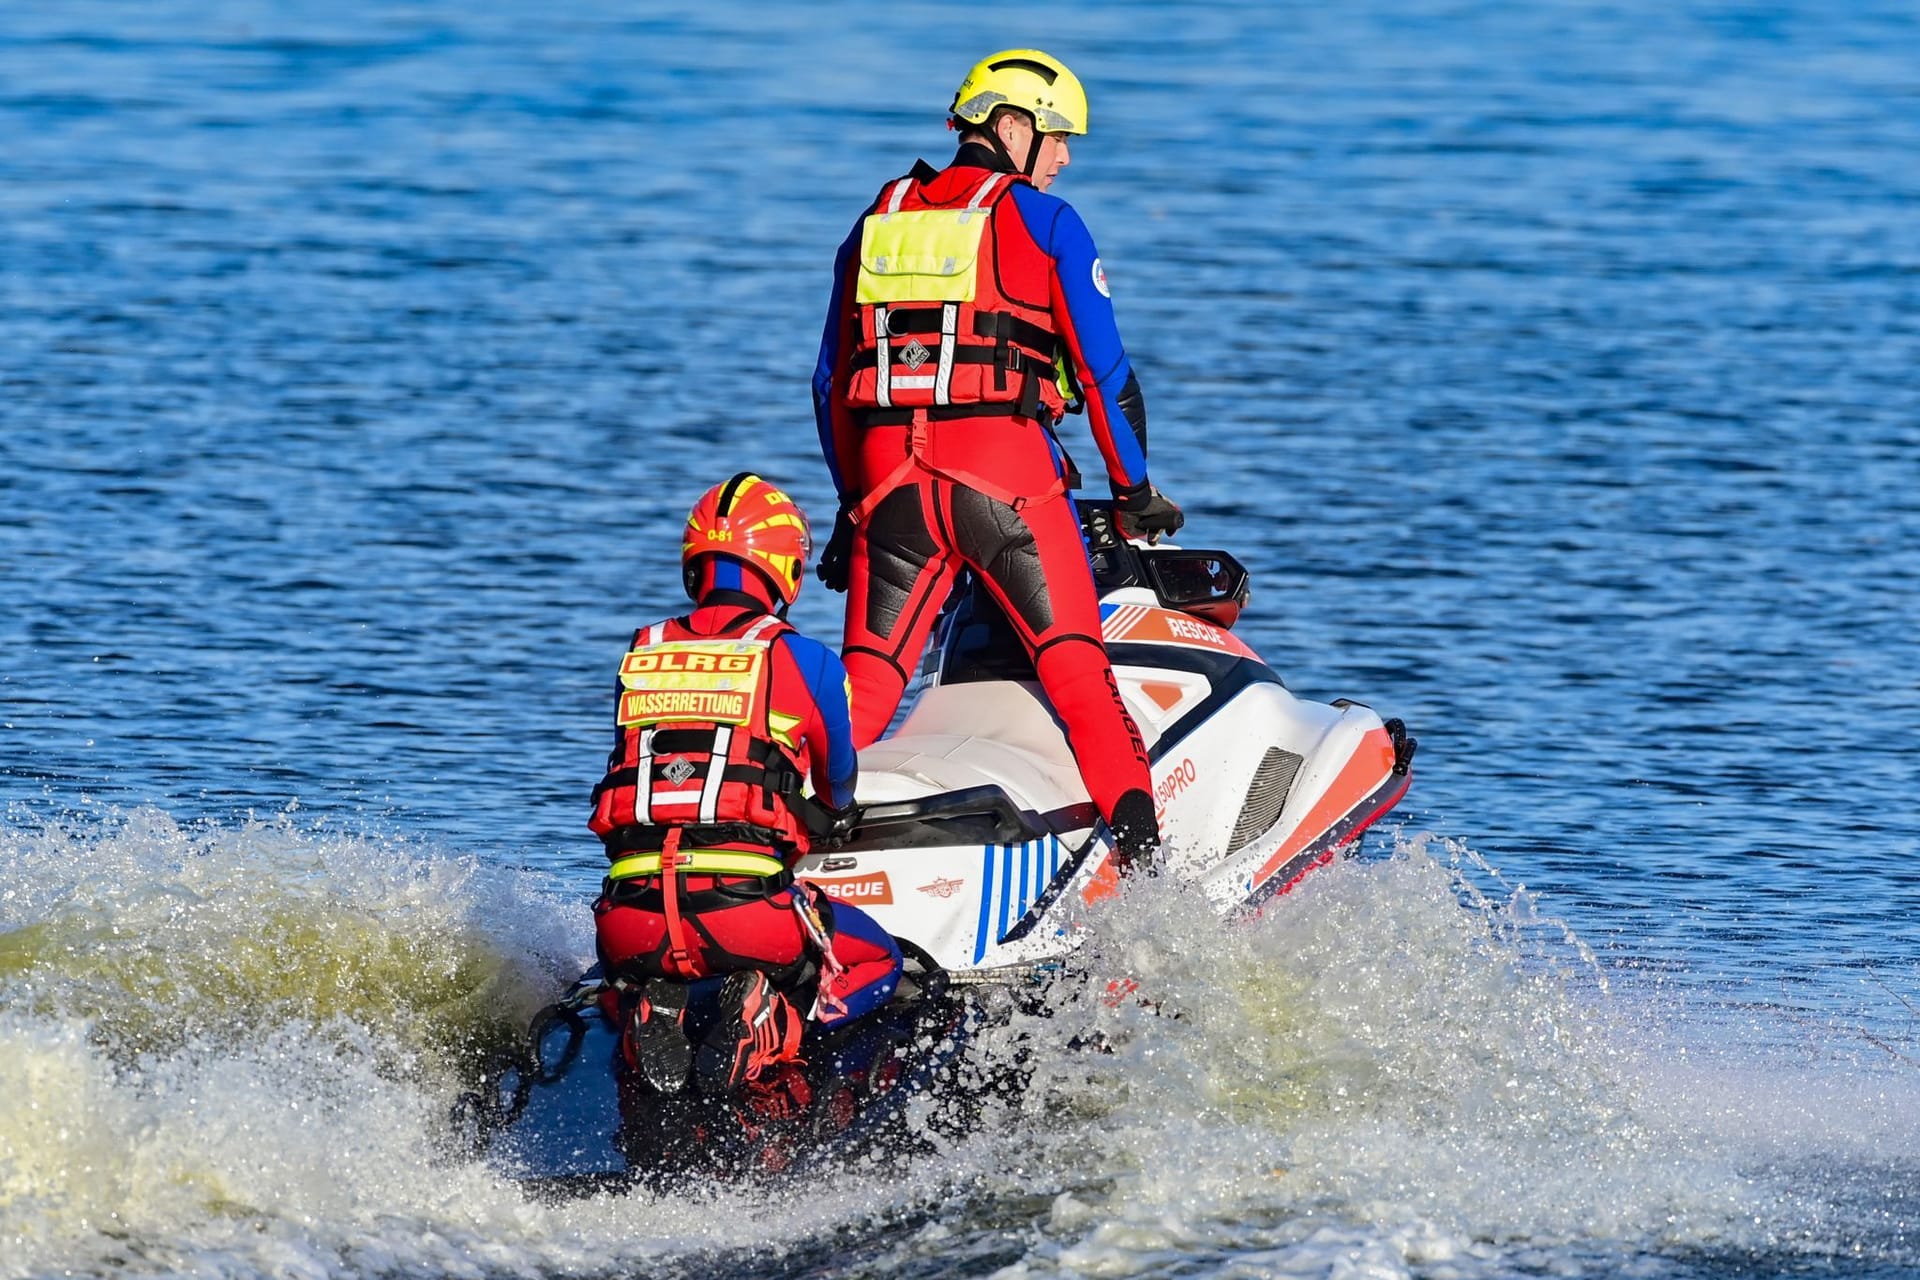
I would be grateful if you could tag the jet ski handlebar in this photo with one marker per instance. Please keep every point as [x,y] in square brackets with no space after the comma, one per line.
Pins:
[1211,585]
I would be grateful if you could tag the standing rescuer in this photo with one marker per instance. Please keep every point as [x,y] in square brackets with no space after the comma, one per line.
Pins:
[969,312]
[721,716]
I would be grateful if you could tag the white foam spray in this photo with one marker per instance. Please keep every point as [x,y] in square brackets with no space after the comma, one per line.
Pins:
[231,1051]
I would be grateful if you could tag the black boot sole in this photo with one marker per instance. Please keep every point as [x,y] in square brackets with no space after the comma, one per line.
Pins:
[660,1043]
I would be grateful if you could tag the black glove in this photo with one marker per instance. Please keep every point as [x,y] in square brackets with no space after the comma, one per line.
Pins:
[840,824]
[1144,512]
[836,559]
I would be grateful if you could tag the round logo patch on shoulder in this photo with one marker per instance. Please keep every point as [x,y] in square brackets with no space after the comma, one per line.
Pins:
[1100,279]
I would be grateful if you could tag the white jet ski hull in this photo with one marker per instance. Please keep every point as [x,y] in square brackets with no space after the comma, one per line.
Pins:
[979,842]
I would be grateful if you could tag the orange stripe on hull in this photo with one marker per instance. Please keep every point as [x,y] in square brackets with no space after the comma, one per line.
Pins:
[1105,883]
[1364,773]
[1367,776]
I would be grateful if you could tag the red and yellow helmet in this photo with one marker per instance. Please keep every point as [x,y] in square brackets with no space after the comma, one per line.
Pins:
[754,522]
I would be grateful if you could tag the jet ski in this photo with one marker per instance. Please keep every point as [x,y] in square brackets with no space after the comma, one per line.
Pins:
[978,848]
[977,840]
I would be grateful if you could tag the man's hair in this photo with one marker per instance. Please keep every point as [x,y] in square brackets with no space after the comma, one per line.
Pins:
[992,123]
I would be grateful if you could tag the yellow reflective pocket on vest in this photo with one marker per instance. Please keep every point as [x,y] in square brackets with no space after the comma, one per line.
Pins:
[713,680]
[921,255]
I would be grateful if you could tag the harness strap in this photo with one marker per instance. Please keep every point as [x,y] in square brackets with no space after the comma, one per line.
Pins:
[1007,327]
[772,622]
[642,797]
[1030,395]
[679,957]
[949,351]
[917,457]
[985,189]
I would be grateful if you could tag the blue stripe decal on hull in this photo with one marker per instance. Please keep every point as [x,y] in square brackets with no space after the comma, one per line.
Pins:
[986,902]
[1006,890]
[1026,879]
[1007,894]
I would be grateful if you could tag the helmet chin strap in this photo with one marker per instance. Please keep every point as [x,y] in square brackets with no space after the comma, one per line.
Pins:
[1000,149]
[1033,150]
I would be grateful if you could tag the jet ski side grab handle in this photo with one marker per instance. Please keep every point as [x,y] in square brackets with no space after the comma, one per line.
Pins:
[972,815]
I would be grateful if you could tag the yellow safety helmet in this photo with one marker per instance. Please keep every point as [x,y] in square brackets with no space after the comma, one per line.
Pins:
[1035,82]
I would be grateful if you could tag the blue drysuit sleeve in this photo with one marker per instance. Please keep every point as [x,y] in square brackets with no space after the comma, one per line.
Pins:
[835,763]
[1083,313]
[834,425]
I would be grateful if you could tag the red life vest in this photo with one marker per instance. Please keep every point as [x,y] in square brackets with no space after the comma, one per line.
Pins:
[695,750]
[952,305]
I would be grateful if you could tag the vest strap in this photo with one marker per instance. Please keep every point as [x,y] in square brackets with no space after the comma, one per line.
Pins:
[1009,359]
[671,742]
[864,418]
[703,835]
[784,781]
[905,321]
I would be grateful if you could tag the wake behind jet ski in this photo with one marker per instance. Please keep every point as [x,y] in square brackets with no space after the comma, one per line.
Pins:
[976,847]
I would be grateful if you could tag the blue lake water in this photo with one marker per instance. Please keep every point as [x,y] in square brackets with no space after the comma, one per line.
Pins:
[1553,367]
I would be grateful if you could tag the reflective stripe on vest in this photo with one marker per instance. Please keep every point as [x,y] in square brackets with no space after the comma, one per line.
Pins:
[642,809]
[713,862]
[716,772]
